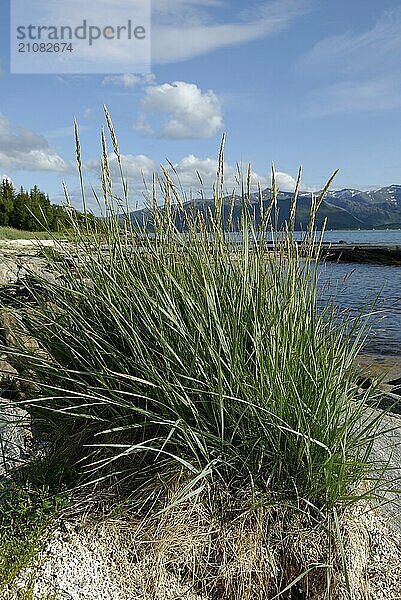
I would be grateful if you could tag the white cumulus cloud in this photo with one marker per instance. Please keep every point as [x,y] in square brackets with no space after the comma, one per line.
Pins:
[186,112]
[191,170]
[188,173]
[285,182]
[24,149]
[135,167]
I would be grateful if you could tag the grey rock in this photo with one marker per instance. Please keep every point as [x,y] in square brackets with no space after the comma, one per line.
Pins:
[387,451]
[7,372]
[377,366]
[15,334]
[19,258]
[15,436]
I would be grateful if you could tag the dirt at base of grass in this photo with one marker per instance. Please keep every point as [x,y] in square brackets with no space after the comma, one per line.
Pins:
[120,559]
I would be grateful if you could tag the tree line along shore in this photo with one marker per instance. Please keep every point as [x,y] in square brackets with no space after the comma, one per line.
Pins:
[30,211]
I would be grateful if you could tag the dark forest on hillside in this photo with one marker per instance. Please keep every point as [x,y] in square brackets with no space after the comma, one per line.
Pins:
[31,211]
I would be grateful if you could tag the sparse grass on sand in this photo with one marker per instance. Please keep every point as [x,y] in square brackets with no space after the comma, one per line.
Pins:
[200,378]
[9,233]
[26,510]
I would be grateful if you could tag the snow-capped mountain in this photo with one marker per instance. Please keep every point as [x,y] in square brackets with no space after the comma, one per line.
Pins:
[344,209]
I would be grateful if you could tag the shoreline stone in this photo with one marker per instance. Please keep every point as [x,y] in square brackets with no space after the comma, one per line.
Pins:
[15,436]
[19,257]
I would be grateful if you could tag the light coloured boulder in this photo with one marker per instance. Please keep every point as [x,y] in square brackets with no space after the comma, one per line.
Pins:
[15,334]
[387,450]
[7,372]
[15,436]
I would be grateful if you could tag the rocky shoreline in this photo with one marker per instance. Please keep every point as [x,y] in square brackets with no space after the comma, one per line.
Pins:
[18,258]
[362,253]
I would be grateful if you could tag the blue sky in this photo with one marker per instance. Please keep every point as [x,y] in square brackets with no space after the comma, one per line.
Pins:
[311,82]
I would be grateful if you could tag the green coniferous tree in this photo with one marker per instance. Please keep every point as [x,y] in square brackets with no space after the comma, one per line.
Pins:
[7,194]
[31,211]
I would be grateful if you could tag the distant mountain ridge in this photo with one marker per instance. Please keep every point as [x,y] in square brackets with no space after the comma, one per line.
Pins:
[344,209]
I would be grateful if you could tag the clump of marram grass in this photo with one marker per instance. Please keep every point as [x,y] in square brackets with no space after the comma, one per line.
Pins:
[180,355]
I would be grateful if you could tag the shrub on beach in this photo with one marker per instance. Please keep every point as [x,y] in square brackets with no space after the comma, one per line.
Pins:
[191,368]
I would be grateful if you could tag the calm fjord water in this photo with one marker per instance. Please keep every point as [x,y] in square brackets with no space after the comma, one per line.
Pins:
[354,287]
